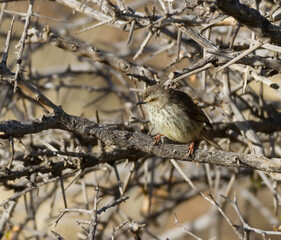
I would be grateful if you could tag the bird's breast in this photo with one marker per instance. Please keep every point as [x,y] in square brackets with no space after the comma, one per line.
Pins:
[174,123]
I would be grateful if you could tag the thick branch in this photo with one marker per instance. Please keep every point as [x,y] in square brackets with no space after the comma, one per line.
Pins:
[136,142]
[252,19]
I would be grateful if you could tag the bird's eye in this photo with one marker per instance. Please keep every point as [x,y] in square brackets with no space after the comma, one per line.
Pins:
[153,99]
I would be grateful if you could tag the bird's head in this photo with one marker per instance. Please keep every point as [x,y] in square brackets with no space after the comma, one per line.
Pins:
[156,94]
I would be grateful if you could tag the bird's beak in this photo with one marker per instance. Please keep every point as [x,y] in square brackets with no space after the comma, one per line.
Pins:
[140,102]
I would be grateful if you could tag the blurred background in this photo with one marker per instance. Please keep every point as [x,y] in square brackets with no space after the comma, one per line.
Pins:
[100,90]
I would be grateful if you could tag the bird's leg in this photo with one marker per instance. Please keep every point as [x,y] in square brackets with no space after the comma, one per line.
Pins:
[157,138]
[191,148]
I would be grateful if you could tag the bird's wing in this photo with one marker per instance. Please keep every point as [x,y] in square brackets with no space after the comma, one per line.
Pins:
[190,107]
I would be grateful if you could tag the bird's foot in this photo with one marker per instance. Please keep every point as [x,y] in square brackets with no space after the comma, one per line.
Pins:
[157,139]
[190,149]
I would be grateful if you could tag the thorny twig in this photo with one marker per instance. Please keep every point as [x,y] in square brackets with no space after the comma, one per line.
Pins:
[98,70]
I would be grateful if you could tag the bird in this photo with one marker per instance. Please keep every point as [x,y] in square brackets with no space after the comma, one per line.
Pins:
[175,116]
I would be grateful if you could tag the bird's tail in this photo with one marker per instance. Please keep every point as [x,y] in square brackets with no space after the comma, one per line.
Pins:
[207,136]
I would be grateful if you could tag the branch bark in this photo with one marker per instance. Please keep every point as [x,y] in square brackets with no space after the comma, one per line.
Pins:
[134,142]
[252,19]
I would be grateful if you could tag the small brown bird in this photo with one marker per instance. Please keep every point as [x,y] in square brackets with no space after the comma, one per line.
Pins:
[176,116]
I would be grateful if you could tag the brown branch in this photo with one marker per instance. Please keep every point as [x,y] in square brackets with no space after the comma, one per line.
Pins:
[217,56]
[135,142]
[84,49]
[5,216]
[245,226]
[109,13]
[270,125]
[252,19]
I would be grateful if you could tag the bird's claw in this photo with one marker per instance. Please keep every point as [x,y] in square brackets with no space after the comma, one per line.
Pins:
[157,139]
[190,149]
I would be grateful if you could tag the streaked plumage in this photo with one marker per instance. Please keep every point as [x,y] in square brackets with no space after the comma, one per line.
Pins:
[176,116]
